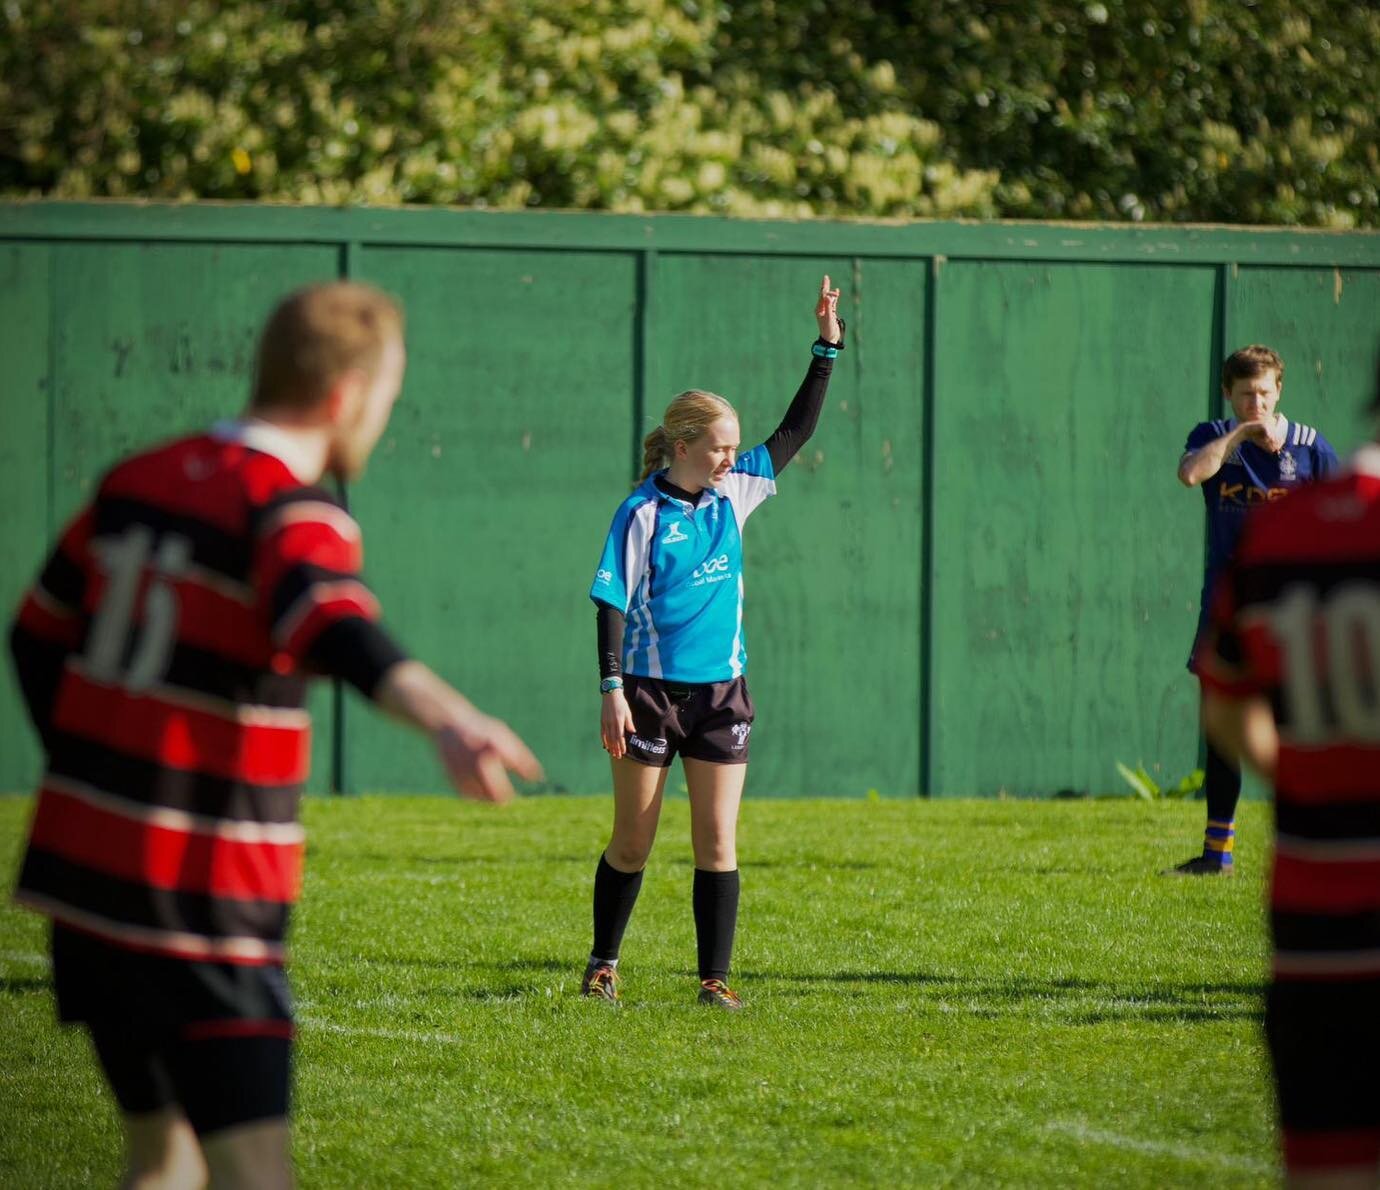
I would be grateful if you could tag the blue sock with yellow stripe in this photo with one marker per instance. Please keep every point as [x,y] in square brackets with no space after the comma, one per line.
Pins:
[1218,841]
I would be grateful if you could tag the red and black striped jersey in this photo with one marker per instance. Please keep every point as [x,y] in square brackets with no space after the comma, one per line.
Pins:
[1296,620]
[164,652]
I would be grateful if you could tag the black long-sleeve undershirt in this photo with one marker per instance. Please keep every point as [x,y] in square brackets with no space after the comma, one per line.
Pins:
[612,624]
[802,414]
[796,428]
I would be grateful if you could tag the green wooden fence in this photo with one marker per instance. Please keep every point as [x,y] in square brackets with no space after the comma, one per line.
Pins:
[981,576]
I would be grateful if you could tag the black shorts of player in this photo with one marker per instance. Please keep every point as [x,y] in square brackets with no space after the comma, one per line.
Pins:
[212,1038]
[1199,635]
[1324,1039]
[708,721]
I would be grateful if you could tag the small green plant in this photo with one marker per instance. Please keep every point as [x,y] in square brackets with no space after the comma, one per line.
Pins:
[1148,789]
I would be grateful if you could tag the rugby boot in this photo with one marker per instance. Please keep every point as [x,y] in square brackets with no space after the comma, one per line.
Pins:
[1201,865]
[718,994]
[600,982]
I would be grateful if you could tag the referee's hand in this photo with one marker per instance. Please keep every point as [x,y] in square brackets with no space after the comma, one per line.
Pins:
[827,312]
[615,723]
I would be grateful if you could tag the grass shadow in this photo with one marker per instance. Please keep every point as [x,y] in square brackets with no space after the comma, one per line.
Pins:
[1007,997]
[892,977]
[23,985]
[542,966]
[799,863]
[396,858]
[511,993]
[546,966]
[394,960]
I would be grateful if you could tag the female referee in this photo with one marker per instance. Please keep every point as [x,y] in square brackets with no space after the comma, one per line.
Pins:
[669,594]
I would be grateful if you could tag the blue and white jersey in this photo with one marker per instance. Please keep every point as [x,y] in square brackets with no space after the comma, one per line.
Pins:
[676,573]
[1252,476]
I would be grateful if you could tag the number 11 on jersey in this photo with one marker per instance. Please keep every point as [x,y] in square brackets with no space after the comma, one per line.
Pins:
[124,560]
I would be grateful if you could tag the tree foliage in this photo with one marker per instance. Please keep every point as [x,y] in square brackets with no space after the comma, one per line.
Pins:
[1234,111]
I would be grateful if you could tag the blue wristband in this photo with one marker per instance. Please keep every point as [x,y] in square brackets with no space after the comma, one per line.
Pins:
[823,351]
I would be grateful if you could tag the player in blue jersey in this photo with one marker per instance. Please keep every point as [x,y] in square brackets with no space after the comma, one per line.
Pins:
[1241,462]
[669,597]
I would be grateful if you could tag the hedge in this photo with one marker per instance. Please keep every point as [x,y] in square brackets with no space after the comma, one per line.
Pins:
[1240,112]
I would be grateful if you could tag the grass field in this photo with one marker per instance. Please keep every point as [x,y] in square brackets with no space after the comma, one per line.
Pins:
[945,993]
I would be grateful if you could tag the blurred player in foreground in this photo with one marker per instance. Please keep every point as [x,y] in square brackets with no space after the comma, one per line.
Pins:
[1291,679]
[1242,463]
[163,654]
[669,597]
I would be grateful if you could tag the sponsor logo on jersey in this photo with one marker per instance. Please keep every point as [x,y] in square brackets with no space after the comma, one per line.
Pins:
[673,534]
[740,734]
[1288,469]
[656,747]
[603,576]
[1242,494]
[711,570]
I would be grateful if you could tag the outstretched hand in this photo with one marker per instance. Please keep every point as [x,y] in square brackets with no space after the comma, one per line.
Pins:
[827,312]
[477,750]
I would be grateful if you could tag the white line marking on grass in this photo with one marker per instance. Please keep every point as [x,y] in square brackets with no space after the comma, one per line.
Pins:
[1155,1148]
[25,958]
[312,1022]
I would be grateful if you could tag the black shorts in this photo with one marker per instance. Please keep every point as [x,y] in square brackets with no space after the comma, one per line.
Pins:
[708,721]
[213,1038]
[1324,1040]
[1199,635]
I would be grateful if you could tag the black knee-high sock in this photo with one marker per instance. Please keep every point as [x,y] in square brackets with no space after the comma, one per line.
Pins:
[716,919]
[615,894]
[1221,786]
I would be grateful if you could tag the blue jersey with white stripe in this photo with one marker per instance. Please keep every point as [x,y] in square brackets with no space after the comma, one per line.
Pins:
[676,573]
[1252,476]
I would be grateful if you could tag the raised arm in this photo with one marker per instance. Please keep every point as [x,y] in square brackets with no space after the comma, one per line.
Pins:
[802,415]
[827,314]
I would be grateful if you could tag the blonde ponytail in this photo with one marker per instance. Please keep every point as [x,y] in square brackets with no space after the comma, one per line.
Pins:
[687,417]
[656,452]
